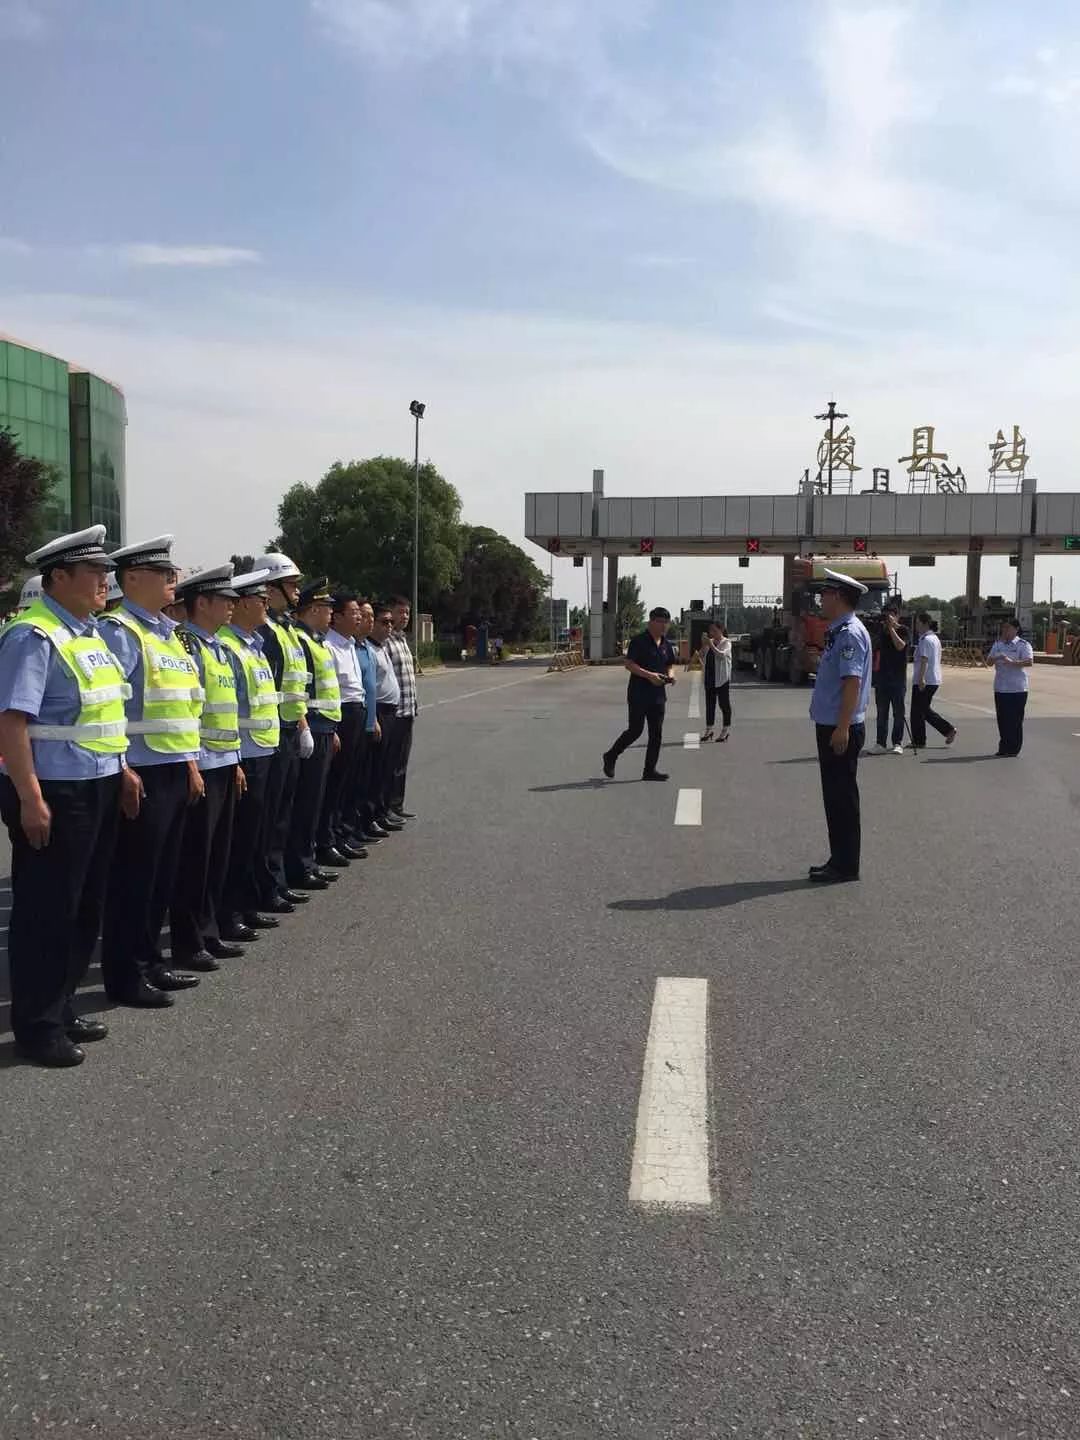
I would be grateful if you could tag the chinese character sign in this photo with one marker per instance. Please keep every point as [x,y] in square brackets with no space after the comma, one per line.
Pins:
[925,464]
[837,453]
[1008,459]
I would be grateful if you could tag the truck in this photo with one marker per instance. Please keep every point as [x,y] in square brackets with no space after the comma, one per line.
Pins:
[790,646]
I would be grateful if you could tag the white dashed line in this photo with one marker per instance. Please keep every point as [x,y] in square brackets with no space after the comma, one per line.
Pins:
[694,709]
[967,705]
[688,808]
[670,1168]
[472,694]
[691,740]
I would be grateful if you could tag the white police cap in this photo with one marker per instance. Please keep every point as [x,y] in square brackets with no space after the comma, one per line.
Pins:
[31,591]
[83,546]
[147,552]
[218,581]
[834,577]
[253,583]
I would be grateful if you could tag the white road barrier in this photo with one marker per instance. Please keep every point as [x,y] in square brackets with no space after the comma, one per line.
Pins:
[670,1168]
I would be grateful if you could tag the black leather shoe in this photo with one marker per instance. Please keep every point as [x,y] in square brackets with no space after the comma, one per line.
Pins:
[402,814]
[294,897]
[202,960]
[254,920]
[309,882]
[655,775]
[83,1031]
[163,978]
[330,876]
[238,931]
[143,996]
[817,869]
[828,875]
[330,855]
[58,1052]
[278,906]
[352,852]
[387,822]
[372,834]
[609,766]
[220,951]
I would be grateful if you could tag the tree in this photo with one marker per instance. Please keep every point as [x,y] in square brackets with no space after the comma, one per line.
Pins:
[242,564]
[356,527]
[498,583]
[24,486]
[629,609]
[579,617]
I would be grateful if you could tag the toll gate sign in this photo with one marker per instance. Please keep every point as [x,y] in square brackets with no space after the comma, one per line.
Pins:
[646,545]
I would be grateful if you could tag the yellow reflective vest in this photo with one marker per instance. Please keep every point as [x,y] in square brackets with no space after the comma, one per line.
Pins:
[172,696]
[101,725]
[262,720]
[327,700]
[295,675]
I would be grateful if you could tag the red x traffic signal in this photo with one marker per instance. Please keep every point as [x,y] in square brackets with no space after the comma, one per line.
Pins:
[753,545]
[860,545]
[647,545]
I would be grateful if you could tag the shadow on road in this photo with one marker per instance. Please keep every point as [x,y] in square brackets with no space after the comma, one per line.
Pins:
[795,760]
[956,759]
[594,784]
[713,897]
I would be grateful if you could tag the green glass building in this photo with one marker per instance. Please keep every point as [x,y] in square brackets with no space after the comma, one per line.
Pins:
[75,422]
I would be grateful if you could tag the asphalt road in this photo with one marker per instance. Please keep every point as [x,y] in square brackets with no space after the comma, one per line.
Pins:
[372,1180]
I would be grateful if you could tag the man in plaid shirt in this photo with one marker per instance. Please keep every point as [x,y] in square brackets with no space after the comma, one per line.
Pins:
[409,705]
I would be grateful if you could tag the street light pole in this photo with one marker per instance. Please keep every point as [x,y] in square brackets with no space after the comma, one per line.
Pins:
[416,410]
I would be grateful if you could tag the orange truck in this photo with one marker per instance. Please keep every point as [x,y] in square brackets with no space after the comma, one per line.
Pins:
[789,648]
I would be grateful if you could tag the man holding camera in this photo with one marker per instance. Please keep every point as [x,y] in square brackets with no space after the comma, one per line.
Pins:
[650,658]
[890,678]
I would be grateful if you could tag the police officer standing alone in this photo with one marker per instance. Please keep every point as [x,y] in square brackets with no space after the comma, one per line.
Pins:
[163,730]
[838,710]
[62,737]
[204,858]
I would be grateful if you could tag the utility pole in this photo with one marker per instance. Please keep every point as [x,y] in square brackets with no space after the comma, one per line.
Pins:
[831,415]
[416,410]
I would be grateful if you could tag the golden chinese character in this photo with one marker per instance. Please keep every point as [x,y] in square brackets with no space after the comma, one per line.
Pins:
[1015,460]
[923,456]
[843,452]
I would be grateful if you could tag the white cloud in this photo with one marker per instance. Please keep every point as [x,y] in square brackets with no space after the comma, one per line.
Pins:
[192,256]
[23,19]
[10,246]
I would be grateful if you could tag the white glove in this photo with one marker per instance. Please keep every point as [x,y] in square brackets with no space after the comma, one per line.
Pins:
[307,745]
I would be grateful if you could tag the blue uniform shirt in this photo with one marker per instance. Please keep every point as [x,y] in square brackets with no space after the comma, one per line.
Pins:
[34,680]
[847,652]
[249,750]
[367,673]
[210,759]
[128,652]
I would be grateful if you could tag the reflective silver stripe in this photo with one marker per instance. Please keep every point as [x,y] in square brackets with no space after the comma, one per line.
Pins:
[220,735]
[223,709]
[162,727]
[156,694]
[106,692]
[247,724]
[293,695]
[101,731]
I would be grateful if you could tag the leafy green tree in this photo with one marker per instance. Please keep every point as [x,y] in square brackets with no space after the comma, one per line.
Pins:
[579,617]
[356,527]
[629,608]
[497,583]
[24,487]
[242,564]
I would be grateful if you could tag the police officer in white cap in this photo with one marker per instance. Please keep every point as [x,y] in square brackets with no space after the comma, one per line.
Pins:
[62,735]
[207,597]
[163,728]
[838,710]
[292,673]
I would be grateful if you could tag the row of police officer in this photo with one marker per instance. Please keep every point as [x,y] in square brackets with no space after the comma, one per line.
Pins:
[153,767]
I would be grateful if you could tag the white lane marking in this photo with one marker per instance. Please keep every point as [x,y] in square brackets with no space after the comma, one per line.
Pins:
[670,1169]
[691,740]
[694,710]
[472,694]
[967,705]
[688,808]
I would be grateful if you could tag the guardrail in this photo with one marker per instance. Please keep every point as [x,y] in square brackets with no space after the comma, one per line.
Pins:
[968,657]
[566,660]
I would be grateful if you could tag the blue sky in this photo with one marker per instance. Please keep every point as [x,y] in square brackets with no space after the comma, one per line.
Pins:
[649,237]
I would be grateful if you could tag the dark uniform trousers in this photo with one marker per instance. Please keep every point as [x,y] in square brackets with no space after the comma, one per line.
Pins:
[341,781]
[922,714]
[640,716]
[142,877]
[356,812]
[403,730]
[280,793]
[1010,709]
[247,856]
[58,895]
[840,791]
[204,865]
[307,806]
[383,758]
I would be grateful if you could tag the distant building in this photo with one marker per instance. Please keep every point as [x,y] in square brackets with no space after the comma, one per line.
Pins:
[75,422]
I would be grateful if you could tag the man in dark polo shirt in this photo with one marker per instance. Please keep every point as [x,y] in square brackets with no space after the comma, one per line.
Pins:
[650,659]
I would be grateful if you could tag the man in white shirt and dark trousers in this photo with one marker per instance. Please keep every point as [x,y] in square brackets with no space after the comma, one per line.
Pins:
[1012,657]
[926,677]
[397,644]
[384,751]
[341,638]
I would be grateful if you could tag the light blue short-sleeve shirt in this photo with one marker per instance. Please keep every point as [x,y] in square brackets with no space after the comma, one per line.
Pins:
[36,682]
[847,652]
[1008,679]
